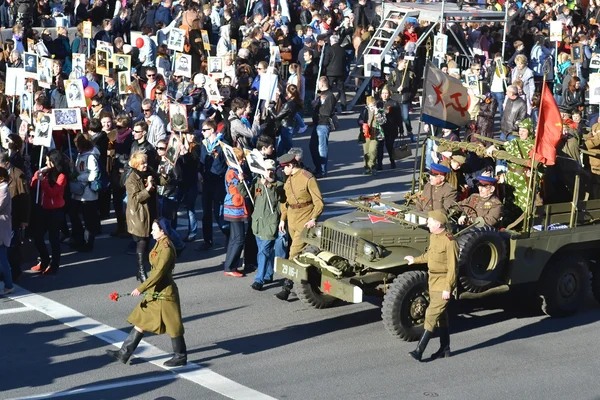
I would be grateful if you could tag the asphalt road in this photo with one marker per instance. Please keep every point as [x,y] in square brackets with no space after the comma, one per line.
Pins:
[245,344]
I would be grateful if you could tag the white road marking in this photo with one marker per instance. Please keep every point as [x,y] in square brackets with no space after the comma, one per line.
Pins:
[96,388]
[192,372]
[15,310]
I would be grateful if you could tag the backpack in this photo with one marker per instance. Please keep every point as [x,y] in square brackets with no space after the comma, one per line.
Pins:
[102,181]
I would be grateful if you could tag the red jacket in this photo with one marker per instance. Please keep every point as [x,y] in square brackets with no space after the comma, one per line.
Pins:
[153,91]
[409,37]
[51,197]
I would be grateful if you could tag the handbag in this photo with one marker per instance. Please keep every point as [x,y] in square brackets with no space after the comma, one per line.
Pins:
[334,123]
[401,150]
[77,188]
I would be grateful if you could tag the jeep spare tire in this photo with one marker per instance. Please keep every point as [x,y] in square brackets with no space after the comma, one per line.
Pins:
[481,258]
[404,305]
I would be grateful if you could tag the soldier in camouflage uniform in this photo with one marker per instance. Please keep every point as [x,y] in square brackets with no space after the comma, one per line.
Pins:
[518,176]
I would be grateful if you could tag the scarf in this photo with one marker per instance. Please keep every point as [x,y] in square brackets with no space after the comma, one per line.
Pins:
[121,137]
[211,146]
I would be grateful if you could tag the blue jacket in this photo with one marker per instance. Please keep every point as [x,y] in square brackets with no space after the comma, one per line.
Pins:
[163,14]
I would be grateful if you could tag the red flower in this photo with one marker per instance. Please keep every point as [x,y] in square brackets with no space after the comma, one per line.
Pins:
[114,296]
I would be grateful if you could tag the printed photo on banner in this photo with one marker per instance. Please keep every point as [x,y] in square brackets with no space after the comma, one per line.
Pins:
[45,72]
[87,29]
[440,45]
[176,39]
[230,156]
[108,47]
[183,65]
[66,118]
[212,90]
[102,62]
[205,40]
[78,65]
[31,65]
[75,93]
[173,148]
[15,81]
[594,83]
[43,130]
[256,162]
[26,106]
[215,67]
[576,53]
[122,62]
[124,79]
[178,116]
[372,64]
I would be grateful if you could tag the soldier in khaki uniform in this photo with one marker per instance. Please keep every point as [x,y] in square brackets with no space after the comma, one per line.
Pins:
[486,204]
[300,208]
[157,315]
[437,194]
[441,259]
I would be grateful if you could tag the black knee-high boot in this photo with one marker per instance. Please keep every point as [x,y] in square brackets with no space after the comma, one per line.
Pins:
[444,350]
[128,347]
[180,350]
[141,272]
[417,353]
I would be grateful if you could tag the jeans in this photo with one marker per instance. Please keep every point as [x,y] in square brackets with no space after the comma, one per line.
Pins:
[235,246]
[282,245]
[499,96]
[299,123]
[48,221]
[266,260]
[5,266]
[406,118]
[284,141]
[319,146]
[189,202]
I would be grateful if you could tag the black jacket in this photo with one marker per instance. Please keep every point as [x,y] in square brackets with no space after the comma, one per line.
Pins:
[324,109]
[334,61]
[514,112]
[121,29]
[287,115]
[170,179]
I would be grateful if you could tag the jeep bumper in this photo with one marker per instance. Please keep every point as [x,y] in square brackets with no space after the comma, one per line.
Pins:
[328,285]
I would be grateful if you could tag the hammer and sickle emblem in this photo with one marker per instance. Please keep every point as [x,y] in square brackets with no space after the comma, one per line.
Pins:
[458,107]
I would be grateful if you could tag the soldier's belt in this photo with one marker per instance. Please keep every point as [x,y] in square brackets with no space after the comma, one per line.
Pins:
[299,205]
[438,272]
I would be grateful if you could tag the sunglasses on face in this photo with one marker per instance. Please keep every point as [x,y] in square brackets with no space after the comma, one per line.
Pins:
[150,75]
[159,92]
[206,129]
[161,148]
[138,131]
[148,110]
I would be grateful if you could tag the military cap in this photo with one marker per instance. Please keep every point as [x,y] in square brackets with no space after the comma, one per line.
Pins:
[439,169]
[487,180]
[269,164]
[439,216]
[286,159]
[459,158]
[527,123]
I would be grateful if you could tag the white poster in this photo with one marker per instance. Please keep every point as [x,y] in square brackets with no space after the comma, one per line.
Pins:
[176,39]
[212,90]
[594,88]
[372,64]
[15,81]
[268,83]
[230,156]
[556,28]
[256,162]
[183,65]
[43,131]
[75,93]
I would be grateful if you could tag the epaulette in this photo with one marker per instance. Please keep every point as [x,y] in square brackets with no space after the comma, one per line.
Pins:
[307,174]
[166,244]
[450,236]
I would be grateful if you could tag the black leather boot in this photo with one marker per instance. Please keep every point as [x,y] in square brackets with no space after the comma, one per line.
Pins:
[180,357]
[444,350]
[417,353]
[141,272]
[288,284]
[128,347]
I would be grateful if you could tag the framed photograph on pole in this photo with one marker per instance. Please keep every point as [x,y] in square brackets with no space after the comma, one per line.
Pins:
[576,53]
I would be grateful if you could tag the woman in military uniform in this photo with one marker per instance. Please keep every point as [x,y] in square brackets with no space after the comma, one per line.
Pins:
[441,259]
[160,311]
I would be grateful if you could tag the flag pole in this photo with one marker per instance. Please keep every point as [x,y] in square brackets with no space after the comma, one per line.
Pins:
[532,181]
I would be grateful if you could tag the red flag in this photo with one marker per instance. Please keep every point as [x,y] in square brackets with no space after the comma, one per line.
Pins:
[549,129]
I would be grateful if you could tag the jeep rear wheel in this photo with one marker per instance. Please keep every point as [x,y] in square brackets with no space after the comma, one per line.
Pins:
[563,286]
[310,293]
[481,258]
[404,305]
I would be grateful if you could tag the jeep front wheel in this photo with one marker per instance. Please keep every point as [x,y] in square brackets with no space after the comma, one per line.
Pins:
[563,286]
[404,305]
[310,293]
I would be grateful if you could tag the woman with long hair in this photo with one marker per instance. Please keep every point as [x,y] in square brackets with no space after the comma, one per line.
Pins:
[574,97]
[286,119]
[139,186]
[50,212]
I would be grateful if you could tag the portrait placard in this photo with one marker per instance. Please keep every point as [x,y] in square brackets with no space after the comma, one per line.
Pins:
[176,39]
[230,156]
[31,65]
[178,117]
[87,29]
[256,162]
[45,72]
[215,67]
[440,45]
[102,62]
[74,93]
[372,64]
[122,62]
[124,81]
[43,130]
[205,40]
[183,65]
[78,65]
[173,148]
[576,53]
[556,29]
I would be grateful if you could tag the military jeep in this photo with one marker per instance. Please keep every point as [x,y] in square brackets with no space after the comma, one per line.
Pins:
[362,253]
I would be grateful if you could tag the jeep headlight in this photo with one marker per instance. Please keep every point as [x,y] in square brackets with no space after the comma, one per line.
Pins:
[370,251]
[318,230]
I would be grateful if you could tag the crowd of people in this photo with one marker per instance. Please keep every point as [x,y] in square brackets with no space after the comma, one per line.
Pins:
[123,154]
